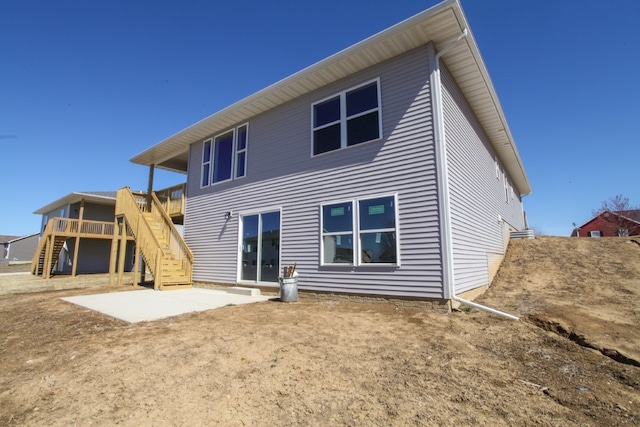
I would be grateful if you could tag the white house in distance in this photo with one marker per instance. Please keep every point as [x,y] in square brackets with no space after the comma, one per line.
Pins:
[387,169]
[17,249]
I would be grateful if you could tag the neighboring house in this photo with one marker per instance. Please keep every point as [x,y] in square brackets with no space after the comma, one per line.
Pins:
[4,247]
[90,246]
[610,224]
[386,169]
[17,248]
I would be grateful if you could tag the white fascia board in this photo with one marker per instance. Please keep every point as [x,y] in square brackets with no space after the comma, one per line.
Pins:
[74,198]
[433,24]
[298,83]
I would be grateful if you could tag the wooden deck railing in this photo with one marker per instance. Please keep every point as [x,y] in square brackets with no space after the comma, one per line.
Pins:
[172,199]
[79,227]
[61,229]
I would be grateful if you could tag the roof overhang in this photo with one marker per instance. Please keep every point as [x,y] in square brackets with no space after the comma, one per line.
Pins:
[23,237]
[76,197]
[439,24]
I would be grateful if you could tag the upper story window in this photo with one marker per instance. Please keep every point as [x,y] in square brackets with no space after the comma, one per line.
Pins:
[224,157]
[348,118]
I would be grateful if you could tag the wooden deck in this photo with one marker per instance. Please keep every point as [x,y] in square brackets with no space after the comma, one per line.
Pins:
[150,220]
[58,231]
[68,227]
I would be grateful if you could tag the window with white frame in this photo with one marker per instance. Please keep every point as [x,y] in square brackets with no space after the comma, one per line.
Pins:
[360,232]
[349,118]
[505,183]
[206,163]
[224,157]
[241,151]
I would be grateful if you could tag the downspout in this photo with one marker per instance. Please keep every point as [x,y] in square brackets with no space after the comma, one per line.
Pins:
[443,180]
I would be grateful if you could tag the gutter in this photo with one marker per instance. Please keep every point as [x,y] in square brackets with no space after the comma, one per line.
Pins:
[443,179]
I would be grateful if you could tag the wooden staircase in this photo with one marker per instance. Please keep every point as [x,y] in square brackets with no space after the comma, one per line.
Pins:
[49,247]
[164,251]
[173,272]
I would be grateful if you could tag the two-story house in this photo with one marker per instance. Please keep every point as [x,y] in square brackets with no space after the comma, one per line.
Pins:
[386,169]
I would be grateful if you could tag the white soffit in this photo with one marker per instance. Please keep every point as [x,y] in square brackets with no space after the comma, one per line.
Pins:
[440,24]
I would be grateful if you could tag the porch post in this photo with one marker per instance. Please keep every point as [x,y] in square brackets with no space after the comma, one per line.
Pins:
[48,256]
[123,251]
[74,267]
[136,266]
[114,252]
[150,187]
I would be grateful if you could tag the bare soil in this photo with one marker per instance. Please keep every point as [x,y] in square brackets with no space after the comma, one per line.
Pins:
[338,362]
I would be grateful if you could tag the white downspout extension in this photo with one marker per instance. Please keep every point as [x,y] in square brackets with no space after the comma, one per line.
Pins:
[443,181]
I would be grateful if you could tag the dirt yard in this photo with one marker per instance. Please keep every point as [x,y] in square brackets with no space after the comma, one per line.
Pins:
[571,361]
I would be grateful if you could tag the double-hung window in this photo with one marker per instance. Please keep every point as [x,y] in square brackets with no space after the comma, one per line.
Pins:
[224,157]
[337,233]
[349,118]
[360,232]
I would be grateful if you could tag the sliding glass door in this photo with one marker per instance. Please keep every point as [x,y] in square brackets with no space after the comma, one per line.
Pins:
[260,247]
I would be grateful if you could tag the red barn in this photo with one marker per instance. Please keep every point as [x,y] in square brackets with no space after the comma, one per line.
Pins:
[610,224]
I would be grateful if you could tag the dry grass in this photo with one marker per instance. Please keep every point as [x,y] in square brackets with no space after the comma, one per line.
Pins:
[324,363]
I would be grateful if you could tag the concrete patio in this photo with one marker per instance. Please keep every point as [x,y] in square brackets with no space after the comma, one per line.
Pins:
[147,305]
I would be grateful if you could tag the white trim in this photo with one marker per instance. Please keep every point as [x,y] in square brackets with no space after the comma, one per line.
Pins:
[344,119]
[257,212]
[345,233]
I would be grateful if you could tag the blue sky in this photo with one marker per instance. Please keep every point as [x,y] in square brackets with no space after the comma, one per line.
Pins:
[86,85]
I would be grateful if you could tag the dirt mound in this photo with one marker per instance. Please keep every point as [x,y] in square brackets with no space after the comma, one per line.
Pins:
[587,290]
[334,362]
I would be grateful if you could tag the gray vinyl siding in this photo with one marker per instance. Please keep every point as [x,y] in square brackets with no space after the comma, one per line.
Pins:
[24,248]
[94,211]
[93,256]
[59,212]
[281,174]
[477,198]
